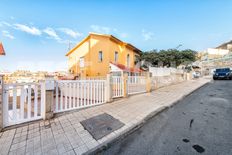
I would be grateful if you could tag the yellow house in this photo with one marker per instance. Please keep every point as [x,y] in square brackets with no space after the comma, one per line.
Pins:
[100,54]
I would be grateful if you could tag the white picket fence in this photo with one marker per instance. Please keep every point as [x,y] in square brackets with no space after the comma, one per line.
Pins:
[22,102]
[136,84]
[26,102]
[117,86]
[79,94]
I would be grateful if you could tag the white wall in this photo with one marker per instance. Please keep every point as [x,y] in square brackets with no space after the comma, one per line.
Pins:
[164,71]
[217,51]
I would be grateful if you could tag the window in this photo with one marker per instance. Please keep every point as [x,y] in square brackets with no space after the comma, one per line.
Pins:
[128,60]
[100,56]
[82,62]
[115,56]
[136,59]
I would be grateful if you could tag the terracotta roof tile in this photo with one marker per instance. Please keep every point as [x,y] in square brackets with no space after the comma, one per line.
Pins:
[2,51]
[127,69]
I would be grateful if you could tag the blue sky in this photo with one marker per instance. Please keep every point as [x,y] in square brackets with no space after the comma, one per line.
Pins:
[36,34]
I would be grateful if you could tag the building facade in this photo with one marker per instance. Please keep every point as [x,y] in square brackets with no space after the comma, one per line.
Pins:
[99,54]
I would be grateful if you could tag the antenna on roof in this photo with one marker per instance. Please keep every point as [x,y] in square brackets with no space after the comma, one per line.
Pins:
[179,46]
[69,45]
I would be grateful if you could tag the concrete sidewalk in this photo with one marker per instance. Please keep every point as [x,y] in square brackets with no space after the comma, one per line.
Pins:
[65,135]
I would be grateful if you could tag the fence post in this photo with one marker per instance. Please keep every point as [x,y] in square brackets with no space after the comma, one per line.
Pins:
[108,88]
[49,97]
[125,86]
[156,82]
[1,102]
[188,76]
[185,76]
[148,82]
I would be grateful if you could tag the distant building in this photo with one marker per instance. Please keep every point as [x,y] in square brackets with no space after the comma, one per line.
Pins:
[218,52]
[213,53]
[218,57]
[2,51]
[21,76]
[226,46]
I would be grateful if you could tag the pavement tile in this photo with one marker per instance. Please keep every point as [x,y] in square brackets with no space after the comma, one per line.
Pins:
[71,152]
[51,152]
[80,150]
[65,147]
[13,147]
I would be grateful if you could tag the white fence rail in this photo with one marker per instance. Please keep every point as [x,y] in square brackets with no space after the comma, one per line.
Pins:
[26,102]
[22,102]
[117,86]
[79,94]
[136,84]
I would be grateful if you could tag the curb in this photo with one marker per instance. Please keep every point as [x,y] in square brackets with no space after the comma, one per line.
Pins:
[98,149]
[187,94]
[103,146]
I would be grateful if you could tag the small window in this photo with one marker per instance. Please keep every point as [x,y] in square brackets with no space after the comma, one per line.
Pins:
[136,59]
[128,60]
[82,62]
[100,56]
[115,56]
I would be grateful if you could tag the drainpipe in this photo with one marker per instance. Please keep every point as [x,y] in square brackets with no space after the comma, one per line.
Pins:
[1,102]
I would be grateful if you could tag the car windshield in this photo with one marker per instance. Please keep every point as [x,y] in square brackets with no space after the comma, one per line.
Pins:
[223,70]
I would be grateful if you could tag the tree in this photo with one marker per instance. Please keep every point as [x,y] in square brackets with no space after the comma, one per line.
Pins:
[170,57]
[151,57]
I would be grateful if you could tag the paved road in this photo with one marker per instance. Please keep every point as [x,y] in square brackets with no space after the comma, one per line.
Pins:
[199,124]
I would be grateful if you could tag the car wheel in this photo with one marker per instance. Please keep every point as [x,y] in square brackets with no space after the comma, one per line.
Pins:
[214,78]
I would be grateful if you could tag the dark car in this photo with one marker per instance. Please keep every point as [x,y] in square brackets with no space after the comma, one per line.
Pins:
[222,73]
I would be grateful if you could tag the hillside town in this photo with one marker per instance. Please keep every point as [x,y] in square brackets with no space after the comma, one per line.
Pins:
[24,76]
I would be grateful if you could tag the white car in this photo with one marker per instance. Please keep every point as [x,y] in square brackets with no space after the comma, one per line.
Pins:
[196,74]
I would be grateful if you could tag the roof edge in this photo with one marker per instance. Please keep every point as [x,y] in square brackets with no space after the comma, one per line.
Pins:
[128,45]
[78,45]
[229,42]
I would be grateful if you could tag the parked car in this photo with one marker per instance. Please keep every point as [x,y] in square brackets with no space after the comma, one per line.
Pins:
[196,74]
[222,73]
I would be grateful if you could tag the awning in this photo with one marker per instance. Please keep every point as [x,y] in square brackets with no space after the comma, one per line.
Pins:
[116,67]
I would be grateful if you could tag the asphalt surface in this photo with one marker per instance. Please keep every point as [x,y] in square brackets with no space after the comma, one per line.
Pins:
[199,124]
